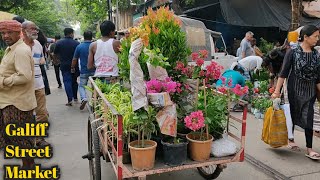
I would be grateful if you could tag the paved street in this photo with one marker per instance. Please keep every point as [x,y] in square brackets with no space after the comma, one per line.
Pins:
[68,135]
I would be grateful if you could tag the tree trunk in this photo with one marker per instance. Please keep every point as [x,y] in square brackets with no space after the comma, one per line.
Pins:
[296,12]
[177,9]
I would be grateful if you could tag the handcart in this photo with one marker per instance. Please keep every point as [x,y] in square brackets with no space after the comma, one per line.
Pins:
[105,139]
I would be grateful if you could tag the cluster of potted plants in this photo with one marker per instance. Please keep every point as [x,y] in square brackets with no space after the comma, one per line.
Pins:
[178,95]
[259,94]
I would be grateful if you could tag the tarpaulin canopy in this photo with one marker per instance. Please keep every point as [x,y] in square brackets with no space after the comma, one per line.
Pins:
[261,13]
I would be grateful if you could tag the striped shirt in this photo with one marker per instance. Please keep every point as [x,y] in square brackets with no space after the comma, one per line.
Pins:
[37,55]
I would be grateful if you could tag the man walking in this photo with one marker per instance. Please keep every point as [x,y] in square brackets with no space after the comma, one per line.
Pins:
[17,97]
[245,46]
[82,52]
[30,34]
[65,50]
[55,60]
[103,53]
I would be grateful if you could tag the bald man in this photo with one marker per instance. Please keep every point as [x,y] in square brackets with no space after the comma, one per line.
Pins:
[17,98]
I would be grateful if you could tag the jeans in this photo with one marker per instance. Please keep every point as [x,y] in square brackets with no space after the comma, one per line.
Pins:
[57,72]
[70,84]
[83,82]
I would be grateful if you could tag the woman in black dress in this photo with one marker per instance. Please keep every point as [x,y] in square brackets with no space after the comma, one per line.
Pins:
[301,67]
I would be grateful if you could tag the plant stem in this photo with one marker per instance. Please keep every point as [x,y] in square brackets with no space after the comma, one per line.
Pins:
[205,106]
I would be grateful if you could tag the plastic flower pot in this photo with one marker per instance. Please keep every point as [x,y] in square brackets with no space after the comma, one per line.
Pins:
[174,154]
[199,150]
[143,158]
[257,114]
[262,116]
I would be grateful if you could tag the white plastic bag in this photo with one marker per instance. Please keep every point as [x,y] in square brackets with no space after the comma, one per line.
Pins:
[223,147]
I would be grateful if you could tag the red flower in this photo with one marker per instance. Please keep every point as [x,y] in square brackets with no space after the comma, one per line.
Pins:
[179,65]
[194,56]
[199,62]
[202,73]
[203,53]
[223,90]
[223,79]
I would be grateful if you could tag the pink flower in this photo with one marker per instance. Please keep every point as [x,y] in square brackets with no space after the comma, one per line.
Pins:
[194,56]
[213,70]
[179,65]
[229,82]
[154,86]
[237,90]
[187,86]
[203,53]
[223,90]
[202,73]
[223,79]
[245,90]
[199,62]
[194,121]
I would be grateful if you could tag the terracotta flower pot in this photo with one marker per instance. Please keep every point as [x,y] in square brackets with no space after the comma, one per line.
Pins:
[199,150]
[143,158]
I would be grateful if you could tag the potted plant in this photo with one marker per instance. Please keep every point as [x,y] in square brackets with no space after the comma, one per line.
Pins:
[174,150]
[143,148]
[199,142]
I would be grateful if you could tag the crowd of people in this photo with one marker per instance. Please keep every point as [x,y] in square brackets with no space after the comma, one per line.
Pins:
[294,74]
[23,80]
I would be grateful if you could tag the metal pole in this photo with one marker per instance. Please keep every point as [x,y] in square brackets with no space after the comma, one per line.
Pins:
[110,10]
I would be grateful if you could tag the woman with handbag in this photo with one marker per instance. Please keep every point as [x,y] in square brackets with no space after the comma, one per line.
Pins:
[301,67]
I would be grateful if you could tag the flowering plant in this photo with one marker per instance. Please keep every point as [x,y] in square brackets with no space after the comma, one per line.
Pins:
[157,86]
[236,92]
[194,121]
[198,71]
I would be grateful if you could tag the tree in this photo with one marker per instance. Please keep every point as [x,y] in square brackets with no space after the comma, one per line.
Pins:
[43,13]
[296,6]
[7,5]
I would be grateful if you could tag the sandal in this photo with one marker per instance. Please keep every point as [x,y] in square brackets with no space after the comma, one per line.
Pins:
[317,134]
[293,147]
[313,156]
[69,104]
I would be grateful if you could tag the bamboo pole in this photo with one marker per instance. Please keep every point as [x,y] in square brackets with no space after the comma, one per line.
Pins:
[205,106]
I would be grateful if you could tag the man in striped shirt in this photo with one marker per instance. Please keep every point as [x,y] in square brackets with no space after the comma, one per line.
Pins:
[30,34]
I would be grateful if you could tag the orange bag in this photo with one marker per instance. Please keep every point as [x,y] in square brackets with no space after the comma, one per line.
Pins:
[274,130]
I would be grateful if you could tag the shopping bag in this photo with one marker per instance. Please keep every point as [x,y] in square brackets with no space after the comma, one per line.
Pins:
[274,130]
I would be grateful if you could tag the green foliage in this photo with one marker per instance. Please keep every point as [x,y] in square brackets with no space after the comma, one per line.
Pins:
[172,43]
[91,13]
[265,46]
[44,13]
[7,5]
[216,114]
[261,75]
[155,58]
[146,124]
[264,87]
[262,103]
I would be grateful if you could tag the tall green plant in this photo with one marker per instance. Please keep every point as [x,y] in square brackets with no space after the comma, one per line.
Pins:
[265,46]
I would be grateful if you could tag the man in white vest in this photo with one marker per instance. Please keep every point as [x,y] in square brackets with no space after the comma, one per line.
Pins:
[103,53]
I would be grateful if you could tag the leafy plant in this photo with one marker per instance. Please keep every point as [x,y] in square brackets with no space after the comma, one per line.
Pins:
[265,46]
[216,112]
[261,75]
[264,87]
[262,103]
[145,124]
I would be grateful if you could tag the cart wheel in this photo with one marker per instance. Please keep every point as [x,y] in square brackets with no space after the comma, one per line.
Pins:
[94,151]
[210,172]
